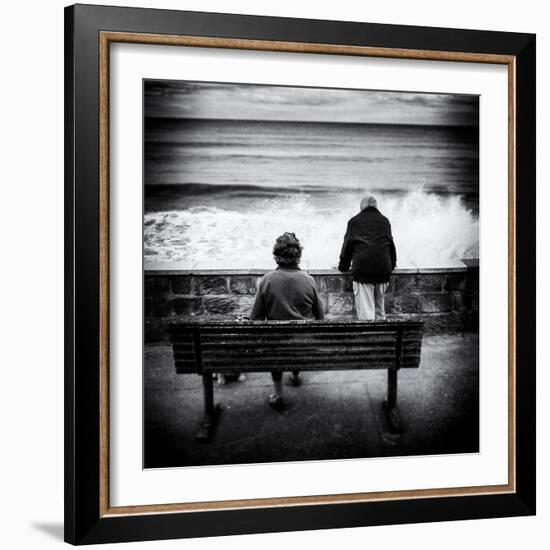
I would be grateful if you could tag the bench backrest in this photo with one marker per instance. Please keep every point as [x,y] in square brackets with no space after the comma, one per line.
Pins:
[315,345]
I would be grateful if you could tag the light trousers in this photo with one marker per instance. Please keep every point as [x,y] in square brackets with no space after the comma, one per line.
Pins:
[369,300]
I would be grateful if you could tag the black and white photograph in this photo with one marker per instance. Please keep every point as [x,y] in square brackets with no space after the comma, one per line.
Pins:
[275,275]
[311,273]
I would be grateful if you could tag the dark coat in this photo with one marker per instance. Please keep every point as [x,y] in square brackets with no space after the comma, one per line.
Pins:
[368,247]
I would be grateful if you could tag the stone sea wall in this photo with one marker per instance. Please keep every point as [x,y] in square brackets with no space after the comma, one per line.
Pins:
[446,299]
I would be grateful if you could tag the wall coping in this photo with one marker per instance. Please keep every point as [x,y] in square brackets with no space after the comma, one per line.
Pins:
[399,271]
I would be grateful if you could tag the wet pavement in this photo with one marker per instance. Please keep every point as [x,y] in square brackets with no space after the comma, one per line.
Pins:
[331,415]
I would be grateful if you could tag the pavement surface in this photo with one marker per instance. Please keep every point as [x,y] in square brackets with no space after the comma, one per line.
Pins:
[331,415]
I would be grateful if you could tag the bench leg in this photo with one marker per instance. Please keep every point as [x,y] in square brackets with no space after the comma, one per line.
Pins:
[390,405]
[211,411]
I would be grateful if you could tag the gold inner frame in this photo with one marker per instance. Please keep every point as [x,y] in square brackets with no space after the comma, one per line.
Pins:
[105,39]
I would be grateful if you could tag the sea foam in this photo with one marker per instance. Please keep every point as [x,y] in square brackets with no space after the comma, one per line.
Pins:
[429,230]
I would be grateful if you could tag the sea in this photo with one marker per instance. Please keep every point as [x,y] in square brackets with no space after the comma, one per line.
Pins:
[217,193]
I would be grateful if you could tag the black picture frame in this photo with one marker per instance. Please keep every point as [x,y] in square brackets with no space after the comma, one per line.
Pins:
[85,523]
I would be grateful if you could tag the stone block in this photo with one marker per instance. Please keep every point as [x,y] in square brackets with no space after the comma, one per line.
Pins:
[154,286]
[243,305]
[332,284]
[405,283]
[455,281]
[156,306]
[330,317]
[389,302]
[436,302]
[221,305]
[340,317]
[181,284]
[210,284]
[242,284]
[392,286]
[407,303]
[341,304]
[324,299]
[319,282]
[191,306]
[430,282]
[457,301]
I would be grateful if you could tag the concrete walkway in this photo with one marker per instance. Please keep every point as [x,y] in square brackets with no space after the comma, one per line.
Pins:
[332,415]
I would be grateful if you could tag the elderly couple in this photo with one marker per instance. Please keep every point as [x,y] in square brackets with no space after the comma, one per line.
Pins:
[287,293]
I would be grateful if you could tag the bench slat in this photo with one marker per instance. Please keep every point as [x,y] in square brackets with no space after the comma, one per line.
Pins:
[296,360]
[293,359]
[295,326]
[245,342]
[252,344]
[366,351]
[213,338]
[183,347]
[287,366]
[274,335]
[237,363]
[304,344]
[240,347]
[183,367]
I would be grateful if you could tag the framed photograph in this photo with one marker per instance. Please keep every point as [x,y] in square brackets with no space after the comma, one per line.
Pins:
[300,274]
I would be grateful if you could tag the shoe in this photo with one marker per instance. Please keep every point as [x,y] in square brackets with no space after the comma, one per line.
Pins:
[295,379]
[276,402]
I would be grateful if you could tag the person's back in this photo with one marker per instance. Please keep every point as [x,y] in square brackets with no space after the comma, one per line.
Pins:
[287,294]
[368,247]
[370,251]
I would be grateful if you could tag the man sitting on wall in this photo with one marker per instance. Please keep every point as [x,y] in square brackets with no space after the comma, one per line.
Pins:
[286,293]
[369,248]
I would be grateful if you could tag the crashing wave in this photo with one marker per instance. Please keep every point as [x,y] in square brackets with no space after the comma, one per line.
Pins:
[429,230]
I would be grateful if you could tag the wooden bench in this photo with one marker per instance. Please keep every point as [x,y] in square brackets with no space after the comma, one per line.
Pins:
[205,348]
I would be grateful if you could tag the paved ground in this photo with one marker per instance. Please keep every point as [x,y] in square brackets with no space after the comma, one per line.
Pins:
[331,415]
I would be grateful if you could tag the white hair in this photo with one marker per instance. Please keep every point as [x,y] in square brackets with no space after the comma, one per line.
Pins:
[368,200]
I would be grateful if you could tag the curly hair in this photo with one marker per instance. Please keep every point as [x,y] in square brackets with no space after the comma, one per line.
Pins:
[287,250]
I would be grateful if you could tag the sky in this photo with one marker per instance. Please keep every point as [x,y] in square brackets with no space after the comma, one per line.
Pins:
[180,99]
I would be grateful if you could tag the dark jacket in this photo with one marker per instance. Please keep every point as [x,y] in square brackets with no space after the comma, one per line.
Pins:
[286,294]
[368,247]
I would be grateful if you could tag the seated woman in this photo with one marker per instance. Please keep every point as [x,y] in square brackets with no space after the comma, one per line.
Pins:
[285,294]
